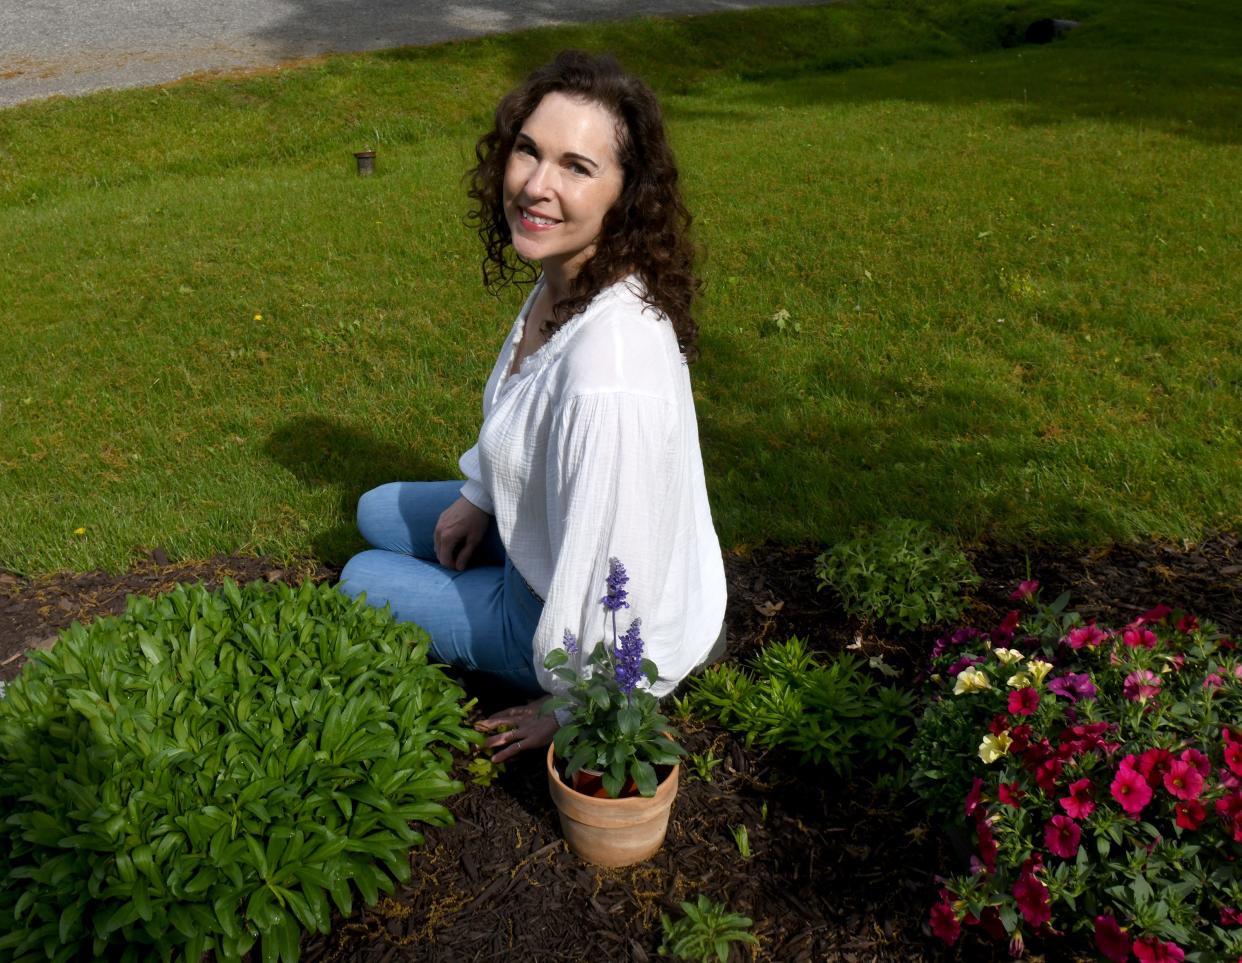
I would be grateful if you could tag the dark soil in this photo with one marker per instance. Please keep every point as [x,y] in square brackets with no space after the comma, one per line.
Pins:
[838,871]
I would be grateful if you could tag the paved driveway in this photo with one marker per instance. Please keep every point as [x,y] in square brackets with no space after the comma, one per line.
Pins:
[73,46]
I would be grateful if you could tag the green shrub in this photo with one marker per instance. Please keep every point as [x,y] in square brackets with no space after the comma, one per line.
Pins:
[203,772]
[705,929]
[826,713]
[899,573]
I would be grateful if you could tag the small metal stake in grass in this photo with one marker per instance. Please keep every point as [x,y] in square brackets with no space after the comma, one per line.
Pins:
[366,162]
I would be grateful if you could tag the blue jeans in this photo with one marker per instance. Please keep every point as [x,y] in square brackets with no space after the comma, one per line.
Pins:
[482,619]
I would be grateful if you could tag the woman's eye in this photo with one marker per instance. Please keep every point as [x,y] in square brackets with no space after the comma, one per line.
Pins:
[578,169]
[526,149]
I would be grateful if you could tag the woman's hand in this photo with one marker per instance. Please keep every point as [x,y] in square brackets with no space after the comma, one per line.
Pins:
[527,729]
[458,532]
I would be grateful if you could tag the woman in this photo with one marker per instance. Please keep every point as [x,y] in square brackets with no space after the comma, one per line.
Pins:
[589,447]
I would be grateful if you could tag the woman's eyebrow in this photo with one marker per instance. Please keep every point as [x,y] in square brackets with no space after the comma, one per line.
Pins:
[574,155]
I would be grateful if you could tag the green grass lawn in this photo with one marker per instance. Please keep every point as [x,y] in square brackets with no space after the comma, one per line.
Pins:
[1011,278]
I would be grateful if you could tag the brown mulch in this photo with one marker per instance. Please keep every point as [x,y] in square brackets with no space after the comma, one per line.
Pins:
[838,871]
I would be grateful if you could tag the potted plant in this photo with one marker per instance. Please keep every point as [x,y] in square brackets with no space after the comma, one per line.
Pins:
[613,764]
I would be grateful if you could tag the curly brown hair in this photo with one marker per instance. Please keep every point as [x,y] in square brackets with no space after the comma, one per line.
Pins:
[647,231]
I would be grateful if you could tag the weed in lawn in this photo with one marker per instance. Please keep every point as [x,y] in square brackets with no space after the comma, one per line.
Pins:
[741,838]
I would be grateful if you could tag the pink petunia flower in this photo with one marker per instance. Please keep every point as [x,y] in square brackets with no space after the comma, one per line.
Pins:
[1154,616]
[1153,764]
[1141,685]
[1062,836]
[1213,680]
[1032,898]
[1151,950]
[1187,624]
[1025,591]
[1078,803]
[1089,635]
[944,922]
[1233,757]
[1190,814]
[1230,916]
[1130,790]
[1111,939]
[1229,809]
[973,797]
[1010,794]
[1197,759]
[1022,702]
[1139,637]
[1183,780]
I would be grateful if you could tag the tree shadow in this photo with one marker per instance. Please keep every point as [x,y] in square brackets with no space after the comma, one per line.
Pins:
[324,453]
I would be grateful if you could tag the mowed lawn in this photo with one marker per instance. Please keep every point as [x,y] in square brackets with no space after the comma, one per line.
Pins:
[996,288]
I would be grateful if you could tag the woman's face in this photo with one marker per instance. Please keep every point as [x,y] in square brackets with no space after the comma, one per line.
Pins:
[562,177]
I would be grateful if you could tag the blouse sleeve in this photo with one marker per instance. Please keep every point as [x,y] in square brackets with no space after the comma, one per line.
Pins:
[473,490]
[610,472]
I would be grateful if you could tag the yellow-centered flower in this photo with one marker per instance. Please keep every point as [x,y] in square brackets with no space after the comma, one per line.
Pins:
[1020,680]
[971,680]
[993,747]
[1008,656]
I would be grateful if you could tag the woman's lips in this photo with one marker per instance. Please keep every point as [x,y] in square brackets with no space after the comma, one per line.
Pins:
[530,224]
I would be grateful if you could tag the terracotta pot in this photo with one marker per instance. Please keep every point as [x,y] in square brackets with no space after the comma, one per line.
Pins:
[590,782]
[612,832]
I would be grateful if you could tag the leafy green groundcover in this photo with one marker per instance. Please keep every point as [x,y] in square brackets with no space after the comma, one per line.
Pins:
[206,770]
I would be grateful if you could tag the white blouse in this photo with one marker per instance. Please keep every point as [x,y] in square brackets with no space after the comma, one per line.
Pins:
[591,451]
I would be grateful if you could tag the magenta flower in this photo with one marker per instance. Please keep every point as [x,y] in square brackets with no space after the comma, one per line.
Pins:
[1010,794]
[1233,757]
[944,922]
[973,797]
[1130,790]
[1197,759]
[1032,898]
[1111,940]
[1086,635]
[1213,680]
[1022,702]
[1141,685]
[1062,836]
[1153,616]
[1187,624]
[1190,815]
[1025,591]
[1151,950]
[1139,637]
[1183,780]
[1078,803]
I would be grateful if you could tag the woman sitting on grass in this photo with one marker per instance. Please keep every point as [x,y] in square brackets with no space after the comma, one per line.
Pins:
[589,449]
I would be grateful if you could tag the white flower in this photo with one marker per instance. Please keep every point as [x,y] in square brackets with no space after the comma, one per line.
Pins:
[993,747]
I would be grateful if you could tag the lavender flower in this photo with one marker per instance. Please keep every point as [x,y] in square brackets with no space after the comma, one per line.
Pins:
[570,643]
[615,599]
[1074,686]
[628,652]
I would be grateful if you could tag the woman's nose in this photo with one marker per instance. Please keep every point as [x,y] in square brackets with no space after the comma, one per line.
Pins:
[541,179]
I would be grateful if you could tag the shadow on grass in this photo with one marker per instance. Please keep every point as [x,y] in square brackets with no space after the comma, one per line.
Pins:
[324,453]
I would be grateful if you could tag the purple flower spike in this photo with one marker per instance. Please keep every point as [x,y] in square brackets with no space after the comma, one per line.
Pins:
[615,599]
[629,656]
[570,643]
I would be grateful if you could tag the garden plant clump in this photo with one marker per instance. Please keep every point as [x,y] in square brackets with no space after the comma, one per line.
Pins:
[899,573]
[208,770]
[706,929]
[1100,773]
[829,713]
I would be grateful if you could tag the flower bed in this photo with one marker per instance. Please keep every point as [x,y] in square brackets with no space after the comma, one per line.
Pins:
[1097,772]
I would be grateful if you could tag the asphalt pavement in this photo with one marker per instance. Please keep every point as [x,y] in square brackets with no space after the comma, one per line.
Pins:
[50,47]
